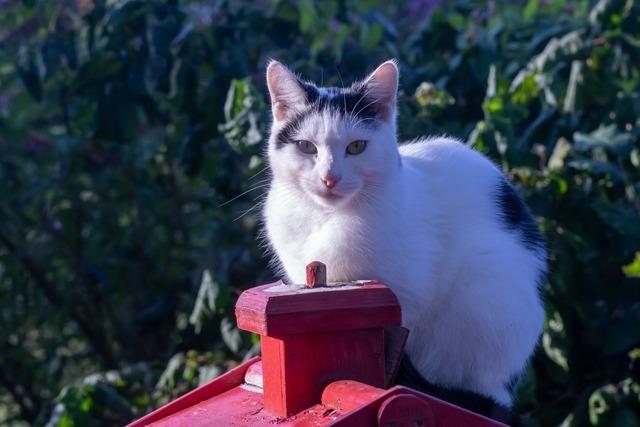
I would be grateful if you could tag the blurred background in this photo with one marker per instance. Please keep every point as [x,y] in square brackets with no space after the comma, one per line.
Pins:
[131,168]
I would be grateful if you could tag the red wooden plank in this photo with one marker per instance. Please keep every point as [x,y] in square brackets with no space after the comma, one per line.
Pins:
[370,305]
[298,368]
[216,386]
[444,414]
[234,407]
[333,320]
[448,414]
[240,407]
[405,410]
[347,395]
[344,403]
[300,300]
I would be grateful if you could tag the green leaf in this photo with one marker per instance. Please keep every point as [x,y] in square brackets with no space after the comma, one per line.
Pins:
[432,99]
[243,126]
[31,73]
[560,152]
[623,333]
[526,91]
[633,268]
[493,105]
[576,78]
[552,341]
[208,373]
[607,137]
[598,167]
[170,374]
[230,334]
[308,15]
[530,10]
[205,304]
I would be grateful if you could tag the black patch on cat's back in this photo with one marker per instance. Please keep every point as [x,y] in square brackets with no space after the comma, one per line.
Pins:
[512,384]
[409,376]
[343,101]
[516,217]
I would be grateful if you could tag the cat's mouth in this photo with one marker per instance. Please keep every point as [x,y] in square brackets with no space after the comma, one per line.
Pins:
[329,197]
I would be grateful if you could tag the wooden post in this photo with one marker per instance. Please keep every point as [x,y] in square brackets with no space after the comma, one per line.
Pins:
[313,336]
[316,275]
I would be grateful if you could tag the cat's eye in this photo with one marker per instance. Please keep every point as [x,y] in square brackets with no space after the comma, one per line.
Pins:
[356,147]
[306,147]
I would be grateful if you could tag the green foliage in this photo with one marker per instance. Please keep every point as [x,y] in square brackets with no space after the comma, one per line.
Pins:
[131,135]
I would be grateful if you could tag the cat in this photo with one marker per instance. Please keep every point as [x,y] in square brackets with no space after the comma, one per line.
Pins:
[433,219]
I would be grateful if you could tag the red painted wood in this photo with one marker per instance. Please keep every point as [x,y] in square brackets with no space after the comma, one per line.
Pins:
[347,395]
[395,337]
[448,414]
[344,404]
[235,407]
[312,337]
[371,305]
[297,368]
[444,414]
[323,363]
[225,382]
[405,410]
[241,407]
[316,275]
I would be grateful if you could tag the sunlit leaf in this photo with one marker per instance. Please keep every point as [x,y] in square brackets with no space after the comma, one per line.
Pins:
[230,334]
[205,304]
[633,268]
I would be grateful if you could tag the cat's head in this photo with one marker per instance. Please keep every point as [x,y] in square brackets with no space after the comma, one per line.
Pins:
[335,145]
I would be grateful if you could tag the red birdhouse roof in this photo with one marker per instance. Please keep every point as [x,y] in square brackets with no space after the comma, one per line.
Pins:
[324,362]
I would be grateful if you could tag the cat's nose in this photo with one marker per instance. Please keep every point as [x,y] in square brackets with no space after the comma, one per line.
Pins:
[330,181]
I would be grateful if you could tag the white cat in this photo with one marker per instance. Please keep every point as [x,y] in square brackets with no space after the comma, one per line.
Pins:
[433,219]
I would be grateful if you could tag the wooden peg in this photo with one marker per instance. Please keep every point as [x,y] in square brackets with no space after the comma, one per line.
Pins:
[316,275]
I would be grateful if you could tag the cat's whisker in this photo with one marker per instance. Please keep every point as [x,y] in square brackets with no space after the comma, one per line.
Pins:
[363,96]
[243,193]
[246,212]
[259,202]
[356,105]
[259,172]
[362,120]
[344,96]
[362,109]
[261,181]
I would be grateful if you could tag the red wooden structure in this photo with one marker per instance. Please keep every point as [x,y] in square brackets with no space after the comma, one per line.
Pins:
[329,352]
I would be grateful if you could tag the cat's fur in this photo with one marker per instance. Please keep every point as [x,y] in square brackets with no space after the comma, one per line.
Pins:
[433,219]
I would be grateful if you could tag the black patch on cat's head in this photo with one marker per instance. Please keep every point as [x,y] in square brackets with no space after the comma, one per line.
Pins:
[516,217]
[351,101]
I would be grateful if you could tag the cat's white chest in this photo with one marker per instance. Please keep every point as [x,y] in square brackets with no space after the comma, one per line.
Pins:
[301,234]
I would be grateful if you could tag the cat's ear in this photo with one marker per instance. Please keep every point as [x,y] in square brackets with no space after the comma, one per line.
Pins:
[381,87]
[288,96]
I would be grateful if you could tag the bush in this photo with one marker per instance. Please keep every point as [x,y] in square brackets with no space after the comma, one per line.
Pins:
[131,174]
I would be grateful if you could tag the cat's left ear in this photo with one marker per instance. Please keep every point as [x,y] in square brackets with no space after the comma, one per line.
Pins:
[381,87]
[287,93]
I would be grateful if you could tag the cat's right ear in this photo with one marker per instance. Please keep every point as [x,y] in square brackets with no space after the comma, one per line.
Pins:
[382,88]
[288,97]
